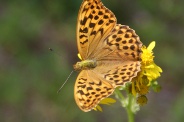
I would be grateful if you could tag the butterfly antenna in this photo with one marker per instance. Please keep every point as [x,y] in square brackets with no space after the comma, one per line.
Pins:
[67,77]
[54,52]
[65,81]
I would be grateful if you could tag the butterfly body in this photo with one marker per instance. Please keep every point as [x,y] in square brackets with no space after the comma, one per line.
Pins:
[85,65]
[110,54]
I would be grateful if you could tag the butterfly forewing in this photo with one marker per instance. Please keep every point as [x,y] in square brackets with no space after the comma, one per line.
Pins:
[95,22]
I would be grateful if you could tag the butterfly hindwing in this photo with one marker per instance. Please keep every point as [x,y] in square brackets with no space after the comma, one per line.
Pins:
[90,89]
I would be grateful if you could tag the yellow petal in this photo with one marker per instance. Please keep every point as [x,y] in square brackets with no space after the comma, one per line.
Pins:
[158,68]
[107,101]
[79,56]
[151,46]
[133,89]
[98,108]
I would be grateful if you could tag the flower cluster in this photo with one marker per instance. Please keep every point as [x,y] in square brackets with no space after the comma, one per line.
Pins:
[146,78]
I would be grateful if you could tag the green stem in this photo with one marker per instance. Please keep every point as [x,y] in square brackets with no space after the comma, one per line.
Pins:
[129,109]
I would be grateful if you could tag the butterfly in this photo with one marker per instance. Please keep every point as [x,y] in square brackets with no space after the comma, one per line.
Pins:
[110,54]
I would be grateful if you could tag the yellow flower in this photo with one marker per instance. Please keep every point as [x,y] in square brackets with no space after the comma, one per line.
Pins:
[106,101]
[149,71]
[148,67]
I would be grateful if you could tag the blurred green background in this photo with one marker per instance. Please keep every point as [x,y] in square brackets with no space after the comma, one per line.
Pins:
[30,75]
